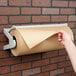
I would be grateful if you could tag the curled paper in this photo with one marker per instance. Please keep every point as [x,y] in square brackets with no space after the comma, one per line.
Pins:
[38,39]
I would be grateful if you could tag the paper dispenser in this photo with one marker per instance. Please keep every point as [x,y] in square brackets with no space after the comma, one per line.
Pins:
[31,39]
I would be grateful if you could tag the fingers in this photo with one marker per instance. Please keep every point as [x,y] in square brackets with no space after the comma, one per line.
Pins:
[60,36]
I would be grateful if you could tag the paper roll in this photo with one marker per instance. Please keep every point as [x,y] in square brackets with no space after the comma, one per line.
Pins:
[37,39]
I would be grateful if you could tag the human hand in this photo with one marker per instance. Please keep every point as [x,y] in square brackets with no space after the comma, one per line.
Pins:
[64,38]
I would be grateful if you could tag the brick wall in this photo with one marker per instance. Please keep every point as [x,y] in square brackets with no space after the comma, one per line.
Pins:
[25,12]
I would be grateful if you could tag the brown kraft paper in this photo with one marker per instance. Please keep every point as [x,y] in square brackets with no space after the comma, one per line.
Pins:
[37,39]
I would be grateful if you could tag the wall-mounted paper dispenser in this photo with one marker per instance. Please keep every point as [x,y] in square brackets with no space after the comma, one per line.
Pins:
[34,38]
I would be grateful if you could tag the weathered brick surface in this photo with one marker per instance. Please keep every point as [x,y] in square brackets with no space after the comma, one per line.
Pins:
[74,31]
[9,11]
[9,61]
[31,58]
[64,64]
[75,37]
[3,2]
[42,74]
[66,74]
[4,54]
[3,20]
[2,28]
[20,2]
[19,19]
[13,74]
[72,18]
[68,69]
[50,54]
[37,19]
[31,71]
[49,67]
[50,11]
[20,66]
[71,24]
[62,52]
[72,4]
[41,3]
[67,11]
[3,37]
[73,74]
[31,12]
[57,59]
[5,69]
[59,3]
[56,72]
[2,44]
[40,63]
[58,18]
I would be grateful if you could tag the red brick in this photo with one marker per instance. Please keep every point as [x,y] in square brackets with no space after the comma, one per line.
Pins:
[41,3]
[71,24]
[72,18]
[67,11]
[40,63]
[62,52]
[3,37]
[9,61]
[72,3]
[31,71]
[30,11]
[3,20]
[10,11]
[50,11]
[2,28]
[49,67]
[40,19]
[68,69]
[5,69]
[67,58]
[66,74]
[58,18]
[64,64]
[56,72]
[73,74]
[75,37]
[75,42]
[19,19]
[74,31]
[42,74]
[59,3]
[4,54]
[20,2]
[57,59]
[20,66]
[50,54]
[13,74]
[31,57]
[2,44]
[3,2]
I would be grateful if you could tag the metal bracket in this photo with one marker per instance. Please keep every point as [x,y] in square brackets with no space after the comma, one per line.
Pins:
[12,42]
